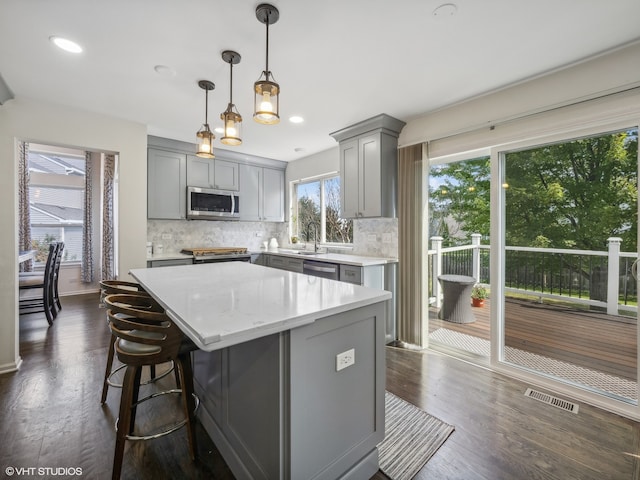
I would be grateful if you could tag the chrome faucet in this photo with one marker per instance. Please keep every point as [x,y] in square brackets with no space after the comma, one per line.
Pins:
[315,235]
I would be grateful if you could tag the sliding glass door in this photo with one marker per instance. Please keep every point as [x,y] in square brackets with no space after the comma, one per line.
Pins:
[570,238]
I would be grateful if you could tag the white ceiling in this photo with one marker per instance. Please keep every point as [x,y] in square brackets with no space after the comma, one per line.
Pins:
[337,61]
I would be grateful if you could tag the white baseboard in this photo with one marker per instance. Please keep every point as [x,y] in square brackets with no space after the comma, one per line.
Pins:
[11,367]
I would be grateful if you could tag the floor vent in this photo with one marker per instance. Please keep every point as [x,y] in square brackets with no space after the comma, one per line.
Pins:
[551,400]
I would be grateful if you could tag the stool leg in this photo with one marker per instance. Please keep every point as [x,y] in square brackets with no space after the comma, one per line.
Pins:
[105,384]
[131,378]
[134,399]
[188,402]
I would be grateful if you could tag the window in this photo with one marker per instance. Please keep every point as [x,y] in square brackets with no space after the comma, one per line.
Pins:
[316,205]
[56,200]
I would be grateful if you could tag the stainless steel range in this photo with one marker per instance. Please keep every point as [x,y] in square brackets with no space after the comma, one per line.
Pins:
[218,254]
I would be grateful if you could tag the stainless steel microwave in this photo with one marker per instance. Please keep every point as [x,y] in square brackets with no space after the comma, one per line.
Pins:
[208,204]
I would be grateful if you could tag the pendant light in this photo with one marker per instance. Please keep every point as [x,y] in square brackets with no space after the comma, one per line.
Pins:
[232,121]
[205,136]
[267,92]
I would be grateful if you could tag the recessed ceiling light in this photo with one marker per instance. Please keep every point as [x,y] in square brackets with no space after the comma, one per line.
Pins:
[66,44]
[445,10]
[165,71]
[296,119]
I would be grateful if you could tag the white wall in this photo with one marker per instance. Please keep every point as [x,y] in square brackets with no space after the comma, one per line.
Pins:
[599,76]
[318,164]
[34,121]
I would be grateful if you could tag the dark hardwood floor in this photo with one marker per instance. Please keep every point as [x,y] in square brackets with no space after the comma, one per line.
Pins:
[50,416]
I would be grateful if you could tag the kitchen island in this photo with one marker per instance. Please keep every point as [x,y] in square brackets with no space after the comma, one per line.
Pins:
[290,370]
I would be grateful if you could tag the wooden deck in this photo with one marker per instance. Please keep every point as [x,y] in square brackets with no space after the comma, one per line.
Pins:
[588,339]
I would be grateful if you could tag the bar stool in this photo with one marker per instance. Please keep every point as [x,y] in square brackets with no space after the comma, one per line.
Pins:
[146,338]
[111,287]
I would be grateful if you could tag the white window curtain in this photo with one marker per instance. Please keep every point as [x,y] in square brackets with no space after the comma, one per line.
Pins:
[412,327]
[108,264]
[24,220]
[87,230]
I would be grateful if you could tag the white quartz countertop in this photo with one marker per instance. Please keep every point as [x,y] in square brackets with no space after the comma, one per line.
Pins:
[222,304]
[357,260]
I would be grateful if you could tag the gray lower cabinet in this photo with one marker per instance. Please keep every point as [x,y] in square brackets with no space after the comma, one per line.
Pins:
[212,173]
[277,408]
[285,263]
[260,259]
[369,276]
[169,262]
[166,185]
[262,194]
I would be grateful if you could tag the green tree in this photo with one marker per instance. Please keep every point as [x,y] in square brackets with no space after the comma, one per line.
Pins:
[459,200]
[574,194]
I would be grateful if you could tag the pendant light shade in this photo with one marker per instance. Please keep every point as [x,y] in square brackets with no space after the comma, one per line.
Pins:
[266,91]
[232,121]
[205,136]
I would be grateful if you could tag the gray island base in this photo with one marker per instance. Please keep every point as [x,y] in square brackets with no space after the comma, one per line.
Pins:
[292,376]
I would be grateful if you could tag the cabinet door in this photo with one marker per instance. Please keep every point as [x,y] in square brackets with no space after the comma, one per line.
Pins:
[272,195]
[199,172]
[166,185]
[226,175]
[349,178]
[369,198]
[250,183]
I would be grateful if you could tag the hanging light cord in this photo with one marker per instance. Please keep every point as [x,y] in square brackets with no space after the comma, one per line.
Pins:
[231,83]
[206,106]
[267,55]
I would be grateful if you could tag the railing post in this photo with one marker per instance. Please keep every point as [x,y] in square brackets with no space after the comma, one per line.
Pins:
[436,245]
[475,241]
[613,275]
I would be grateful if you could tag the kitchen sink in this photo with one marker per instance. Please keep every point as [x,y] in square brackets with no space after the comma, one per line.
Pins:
[307,253]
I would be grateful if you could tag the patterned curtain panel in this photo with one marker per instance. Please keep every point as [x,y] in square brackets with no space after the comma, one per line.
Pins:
[412,327]
[108,266]
[87,230]
[24,221]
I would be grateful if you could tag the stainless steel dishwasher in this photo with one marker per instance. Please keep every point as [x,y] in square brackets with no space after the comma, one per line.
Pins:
[321,269]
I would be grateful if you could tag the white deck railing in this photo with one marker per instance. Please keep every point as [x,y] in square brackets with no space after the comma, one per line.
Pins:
[610,300]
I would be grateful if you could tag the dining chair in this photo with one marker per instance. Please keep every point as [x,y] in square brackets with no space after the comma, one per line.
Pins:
[56,275]
[43,281]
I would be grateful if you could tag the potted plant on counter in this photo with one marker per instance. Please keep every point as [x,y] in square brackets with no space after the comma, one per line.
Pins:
[478,295]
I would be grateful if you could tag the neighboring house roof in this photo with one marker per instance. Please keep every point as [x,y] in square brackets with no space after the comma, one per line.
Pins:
[56,213]
[40,162]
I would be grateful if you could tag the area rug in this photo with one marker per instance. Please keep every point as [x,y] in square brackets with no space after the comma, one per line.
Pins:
[412,436]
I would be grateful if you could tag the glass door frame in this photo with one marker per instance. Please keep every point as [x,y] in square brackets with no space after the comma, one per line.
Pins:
[497,265]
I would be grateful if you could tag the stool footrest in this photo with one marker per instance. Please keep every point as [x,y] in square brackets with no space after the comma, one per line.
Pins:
[167,430]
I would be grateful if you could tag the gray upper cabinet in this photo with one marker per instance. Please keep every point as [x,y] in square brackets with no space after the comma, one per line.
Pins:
[166,185]
[261,194]
[368,167]
[212,173]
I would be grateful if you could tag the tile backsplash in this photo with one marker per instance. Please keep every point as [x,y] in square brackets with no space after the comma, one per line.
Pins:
[376,237]
[174,235]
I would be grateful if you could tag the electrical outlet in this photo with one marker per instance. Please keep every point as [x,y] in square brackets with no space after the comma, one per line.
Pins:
[372,237]
[257,234]
[166,236]
[345,359]
[386,238]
